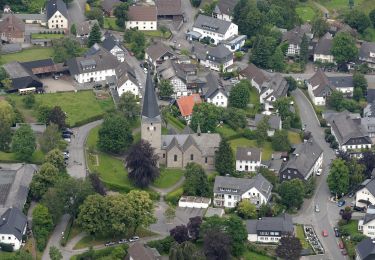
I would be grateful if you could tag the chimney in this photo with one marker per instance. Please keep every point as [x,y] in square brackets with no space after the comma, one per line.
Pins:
[248,153]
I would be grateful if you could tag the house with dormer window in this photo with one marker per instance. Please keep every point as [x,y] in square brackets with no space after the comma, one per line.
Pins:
[228,191]
[57,14]
[248,159]
[367,54]
[276,87]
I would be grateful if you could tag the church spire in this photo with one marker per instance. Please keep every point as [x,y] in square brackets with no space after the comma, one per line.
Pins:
[150,107]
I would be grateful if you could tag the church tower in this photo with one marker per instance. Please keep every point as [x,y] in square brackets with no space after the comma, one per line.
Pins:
[151,119]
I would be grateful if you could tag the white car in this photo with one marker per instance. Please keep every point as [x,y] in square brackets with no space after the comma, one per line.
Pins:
[319,172]
[145,70]
[317,208]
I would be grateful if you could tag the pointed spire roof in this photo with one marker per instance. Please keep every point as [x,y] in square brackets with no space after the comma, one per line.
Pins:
[150,107]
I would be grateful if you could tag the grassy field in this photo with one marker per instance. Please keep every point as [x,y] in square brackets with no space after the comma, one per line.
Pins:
[254,102]
[306,11]
[175,122]
[46,36]
[110,23]
[168,178]
[157,34]
[79,106]
[294,138]
[27,55]
[301,237]
[340,6]
[255,256]
[226,131]
[37,158]
[243,142]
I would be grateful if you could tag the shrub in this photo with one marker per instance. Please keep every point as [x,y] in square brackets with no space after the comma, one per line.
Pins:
[358,237]
[323,122]
[327,131]
[174,196]
[248,134]
[163,245]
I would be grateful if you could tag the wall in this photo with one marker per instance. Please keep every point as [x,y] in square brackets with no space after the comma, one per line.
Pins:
[219,100]
[142,25]
[10,239]
[59,20]
[128,86]
[96,76]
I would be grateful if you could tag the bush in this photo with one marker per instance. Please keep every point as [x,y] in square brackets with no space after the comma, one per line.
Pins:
[323,122]
[163,245]
[100,254]
[174,196]
[29,101]
[248,134]
[6,247]
[358,237]
[327,131]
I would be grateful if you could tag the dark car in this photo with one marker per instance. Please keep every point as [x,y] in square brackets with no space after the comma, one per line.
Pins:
[351,194]
[341,203]
[337,233]
[360,209]
[67,131]
[110,243]
[123,241]
[226,78]
[66,135]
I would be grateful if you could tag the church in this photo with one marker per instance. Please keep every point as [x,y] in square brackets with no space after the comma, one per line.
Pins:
[175,150]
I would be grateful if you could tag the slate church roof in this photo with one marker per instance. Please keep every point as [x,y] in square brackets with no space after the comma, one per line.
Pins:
[150,107]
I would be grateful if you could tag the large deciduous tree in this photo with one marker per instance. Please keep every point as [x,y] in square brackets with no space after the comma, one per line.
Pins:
[66,48]
[319,26]
[372,17]
[338,178]
[141,163]
[359,81]
[289,248]
[194,226]
[42,225]
[165,88]
[343,48]
[239,94]
[56,158]
[235,118]
[292,193]
[246,209]
[24,143]
[185,251]
[368,160]
[216,245]
[180,234]
[44,179]
[280,141]
[115,135]
[50,138]
[207,116]
[224,159]
[121,14]
[57,116]
[263,49]
[358,20]
[261,133]
[129,106]
[196,182]
[7,118]
[54,253]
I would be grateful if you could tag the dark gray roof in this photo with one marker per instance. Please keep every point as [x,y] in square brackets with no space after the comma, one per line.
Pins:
[157,50]
[212,86]
[220,52]
[124,73]
[321,80]
[273,121]
[56,5]
[370,186]
[304,157]
[109,43]
[21,76]
[368,217]
[248,154]
[212,24]
[282,223]
[13,221]
[370,95]
[237,186]
[341,82]
[170,69]
[278,84]
[85,27]
[168,7]
[366,49]
[108,5]
[366,249]
[150,105]
[254,73]
[324,45]
[225,7]
[38,64]
[139,251]
[295,35]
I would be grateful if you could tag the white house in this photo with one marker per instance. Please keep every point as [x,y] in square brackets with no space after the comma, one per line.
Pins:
[228,191]
[294,38]
[214,91]
[57,15]
[216,58]
[13,227]
[269,229]
[255,75]
[366,196]
[367,224]
[224,9]
[173,72]
[143,18]
[248,159]
[126,80]
[194,202]
[112,45]
[367,54]
[322,51]
[215,29]
[276,87]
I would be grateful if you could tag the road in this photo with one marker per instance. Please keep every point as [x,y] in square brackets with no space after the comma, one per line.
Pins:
[76,10]
[329,213]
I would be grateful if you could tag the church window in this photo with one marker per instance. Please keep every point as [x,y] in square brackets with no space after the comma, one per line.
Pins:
[205,160]
[163,155]
[175,157]
[191,157]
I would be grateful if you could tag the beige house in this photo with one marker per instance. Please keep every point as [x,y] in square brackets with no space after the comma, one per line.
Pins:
[143,18]
[57,15]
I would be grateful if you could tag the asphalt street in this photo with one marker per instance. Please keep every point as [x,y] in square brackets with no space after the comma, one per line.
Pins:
[76,10]
[328,216]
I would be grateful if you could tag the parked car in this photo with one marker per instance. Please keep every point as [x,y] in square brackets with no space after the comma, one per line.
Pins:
[341,203]
[337,233]
[360,209]
[145,70]
[133,239]
[351,194]
[67,131]
[325,233]
[226,78]
[341,244]
[123,241]
[110,243]
[317,208]
[319,172]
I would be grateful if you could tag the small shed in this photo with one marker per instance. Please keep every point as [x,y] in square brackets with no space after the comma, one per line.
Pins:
[194,202]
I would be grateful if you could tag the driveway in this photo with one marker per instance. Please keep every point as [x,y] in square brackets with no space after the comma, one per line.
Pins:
[328,216]
[62,84]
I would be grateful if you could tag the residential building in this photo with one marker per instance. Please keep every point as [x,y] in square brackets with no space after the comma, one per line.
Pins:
[248,159]
[255,75]
[322,52]
[174,72]
[142,18]
[274,123]
[368,125]
[273,89]
[157,53]
[126,80]
[215,29]
[224,10]
[306,160]
[175,150]
[269,229]
[57,15]
[108,6]
[349,133]
[365,250]
[30,18]
[228,191]
[276,163]
[13,225]
[12,29]
[186,105]
[294,38]
[169,9]
[216,58]
[113,45]
[367,54]
[214,91]
[84,28]
[365,196]
[235,42]
[194,202]
[139,251]
[320,86]
[96,67]
[367,224]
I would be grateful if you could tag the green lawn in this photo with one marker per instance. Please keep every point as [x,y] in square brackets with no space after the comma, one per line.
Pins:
[300,234]
[305,11]
[27,55]
[294,138]
[225,131]
[79,106]
[110,23]
[340,6]
[352,227]
[243,142]
[168,177]
[254,102]
[255,256]
[37,158]
[157,34]
[46,36]
[175,122]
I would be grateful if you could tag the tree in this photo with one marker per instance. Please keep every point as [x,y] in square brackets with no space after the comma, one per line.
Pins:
[194,226]
[290,247]
[216,245]
[73,29]
[246,209]
[372,17]
[97,184]
[356,172]
[23,143]
[129,106]
[292,193]
[336,100]
[368,160]
[42,225]
[55,158]
[235,117]
[357,94]
[224,159]
[54,253]
[95,36]
[319,26]
[351,4]
[280,141]
[165,88]
[347,214]
[7,115]
[115,135]
[65,48]
[180,234]
[5,136]
[304,52]
[338,178]
[121,14]
[343,48]
[96,13]
[57,116]
[43,114]
[263,48]
[207,116]
[269,175]
[29,101]
[358,20]
[292,83]
[239,94]
[45,178]
[261,131]
[265,210]
[50,138]
[196,182]
[276,61]
[359,81]
[185,251]
[163,29]
[195,3]
[141,163]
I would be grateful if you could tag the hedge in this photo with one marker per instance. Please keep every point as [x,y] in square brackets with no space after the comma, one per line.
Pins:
[174,196]
[6,247]
[162,245]
[99,254]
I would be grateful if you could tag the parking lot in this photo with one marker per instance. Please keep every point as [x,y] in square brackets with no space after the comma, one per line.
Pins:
[62,84]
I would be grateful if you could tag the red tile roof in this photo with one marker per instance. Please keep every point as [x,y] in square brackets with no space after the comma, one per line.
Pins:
[186,104]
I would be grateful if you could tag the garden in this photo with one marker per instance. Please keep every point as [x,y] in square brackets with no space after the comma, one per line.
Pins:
[27,55]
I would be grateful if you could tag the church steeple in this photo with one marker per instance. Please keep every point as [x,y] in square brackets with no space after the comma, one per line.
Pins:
[150,107]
